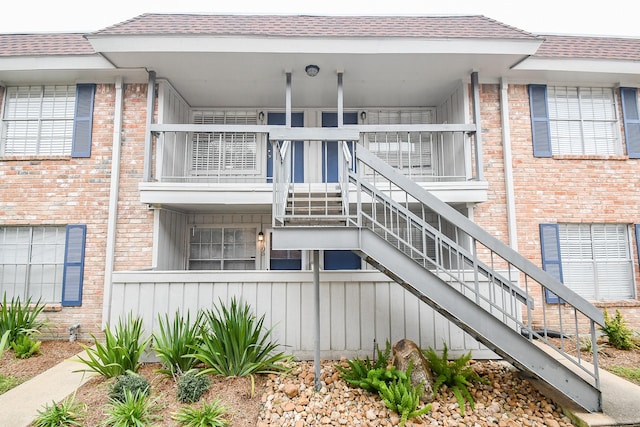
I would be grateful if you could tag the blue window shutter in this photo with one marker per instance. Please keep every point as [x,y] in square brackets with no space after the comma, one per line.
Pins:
[631,118]
[638,241]
[541,131]
[551,259]
[83,121]
[73,265]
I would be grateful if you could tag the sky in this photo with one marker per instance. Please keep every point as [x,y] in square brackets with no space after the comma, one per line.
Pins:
[583,17]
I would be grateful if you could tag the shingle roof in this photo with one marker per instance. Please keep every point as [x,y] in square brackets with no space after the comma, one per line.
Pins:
[583,47]
[318,26]
[44,44]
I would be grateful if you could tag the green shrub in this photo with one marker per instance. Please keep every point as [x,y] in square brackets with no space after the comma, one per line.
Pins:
[24,347]
[67,413]
[400,397]
[192,386]
[358,370]
[8,382]
[174,341]
[207,415]
[235,344]
[130,381]
[456,374]
[376,376]
[120,352]
[617,332]
[20,318]
[136,410]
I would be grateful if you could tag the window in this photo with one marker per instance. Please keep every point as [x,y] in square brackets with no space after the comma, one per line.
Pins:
[222,248]
[224,153]
[408,151]
[594,260]
[47,121]
[574,120]
[44,262]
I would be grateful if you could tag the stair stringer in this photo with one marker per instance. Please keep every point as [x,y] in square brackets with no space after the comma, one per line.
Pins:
[480,324]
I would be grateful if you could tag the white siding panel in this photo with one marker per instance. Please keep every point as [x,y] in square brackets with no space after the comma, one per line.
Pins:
[353,311]
[353,316]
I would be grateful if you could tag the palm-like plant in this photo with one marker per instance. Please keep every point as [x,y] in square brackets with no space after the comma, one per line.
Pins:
[20,318]
[235,343]
[174,341]
[121,350]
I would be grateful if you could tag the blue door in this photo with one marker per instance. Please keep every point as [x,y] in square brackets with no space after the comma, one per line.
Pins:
[330,148]
[297,158]
[336,260]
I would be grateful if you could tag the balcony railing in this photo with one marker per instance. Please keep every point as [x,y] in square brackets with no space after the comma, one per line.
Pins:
[239,153]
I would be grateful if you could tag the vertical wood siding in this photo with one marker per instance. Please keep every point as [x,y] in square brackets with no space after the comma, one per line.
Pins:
[356,308]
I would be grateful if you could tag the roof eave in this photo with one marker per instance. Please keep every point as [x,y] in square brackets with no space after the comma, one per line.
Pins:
[579,65]
[54,62]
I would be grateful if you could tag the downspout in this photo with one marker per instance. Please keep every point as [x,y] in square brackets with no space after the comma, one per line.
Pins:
[148,140]
[475,87]
[508,165]
[113,204]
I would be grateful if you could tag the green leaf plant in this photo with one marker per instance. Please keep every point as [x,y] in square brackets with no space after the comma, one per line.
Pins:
[235,343]
[400,397]
[120,352]
[175,340]
[20,318]
[456,375]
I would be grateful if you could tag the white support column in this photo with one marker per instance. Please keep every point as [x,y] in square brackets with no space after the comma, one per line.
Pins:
[288,100]
[340,101]
[475,87]
[316,312]
[508,165]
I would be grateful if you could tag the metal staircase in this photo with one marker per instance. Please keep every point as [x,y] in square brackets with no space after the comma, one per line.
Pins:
[445,260]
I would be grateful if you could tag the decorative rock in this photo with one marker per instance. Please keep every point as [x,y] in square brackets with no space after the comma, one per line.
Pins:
[291,390]
[407,352]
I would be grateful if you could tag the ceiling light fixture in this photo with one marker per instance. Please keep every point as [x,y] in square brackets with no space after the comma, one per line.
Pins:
[312,70]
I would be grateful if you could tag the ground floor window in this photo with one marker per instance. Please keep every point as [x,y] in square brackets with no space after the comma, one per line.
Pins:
[32,262]
[222,248]
[596,260]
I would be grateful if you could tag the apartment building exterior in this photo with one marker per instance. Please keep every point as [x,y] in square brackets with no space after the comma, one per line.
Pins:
[141,164]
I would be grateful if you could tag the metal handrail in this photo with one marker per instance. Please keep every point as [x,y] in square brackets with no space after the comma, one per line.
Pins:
[459,244]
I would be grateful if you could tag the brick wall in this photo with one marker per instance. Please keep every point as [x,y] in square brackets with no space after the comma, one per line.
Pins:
[61,191]
[134,236]
[550,190]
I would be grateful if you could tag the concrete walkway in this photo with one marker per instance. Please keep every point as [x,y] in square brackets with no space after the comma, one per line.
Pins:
[19,406]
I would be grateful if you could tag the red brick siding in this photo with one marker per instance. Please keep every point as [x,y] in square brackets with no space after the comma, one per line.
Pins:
[134,236]
[64,190]
[563,190]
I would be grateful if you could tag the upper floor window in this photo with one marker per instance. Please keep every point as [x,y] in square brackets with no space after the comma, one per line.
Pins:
[47,121]
[594,260]
[220,153]
[570,120]
[411,152]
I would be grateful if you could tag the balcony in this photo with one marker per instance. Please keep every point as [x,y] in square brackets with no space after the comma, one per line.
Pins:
[199,165]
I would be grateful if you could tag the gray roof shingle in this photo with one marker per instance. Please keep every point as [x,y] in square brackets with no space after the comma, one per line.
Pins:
[585,47]
[44,44]
[318,26]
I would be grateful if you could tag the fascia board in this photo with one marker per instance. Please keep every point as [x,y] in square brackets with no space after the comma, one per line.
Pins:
[579,65]
[75,62]
[123,44]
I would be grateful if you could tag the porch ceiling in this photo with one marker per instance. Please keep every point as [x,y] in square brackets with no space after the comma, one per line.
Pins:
[209,79]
